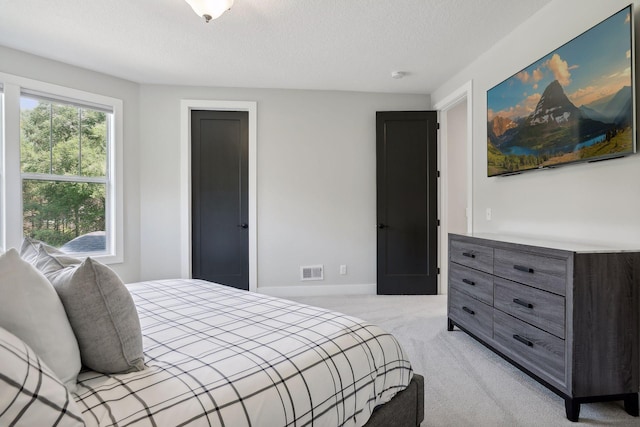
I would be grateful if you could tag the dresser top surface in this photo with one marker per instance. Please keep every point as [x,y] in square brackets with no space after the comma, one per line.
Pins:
[577,247]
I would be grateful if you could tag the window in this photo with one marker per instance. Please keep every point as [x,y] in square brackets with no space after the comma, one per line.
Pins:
[63,163]
[61,174]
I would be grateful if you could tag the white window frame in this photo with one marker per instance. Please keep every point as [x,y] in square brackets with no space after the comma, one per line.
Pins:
[11,216]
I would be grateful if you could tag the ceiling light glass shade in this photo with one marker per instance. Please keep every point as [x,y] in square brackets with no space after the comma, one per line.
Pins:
[210,9]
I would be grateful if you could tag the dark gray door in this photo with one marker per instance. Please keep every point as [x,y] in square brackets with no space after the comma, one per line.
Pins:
[219,181]
[407,210]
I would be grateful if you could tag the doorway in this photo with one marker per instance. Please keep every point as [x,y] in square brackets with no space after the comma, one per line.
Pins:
[456,168]
[186,106]
[219,184]
[407,202]
[456,164]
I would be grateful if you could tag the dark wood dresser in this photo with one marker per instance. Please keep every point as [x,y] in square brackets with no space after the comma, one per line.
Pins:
[566,314]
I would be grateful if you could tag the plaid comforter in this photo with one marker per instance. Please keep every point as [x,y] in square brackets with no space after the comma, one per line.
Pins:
[218,356]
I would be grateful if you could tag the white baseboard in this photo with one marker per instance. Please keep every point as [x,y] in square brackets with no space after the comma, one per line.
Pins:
[317,290]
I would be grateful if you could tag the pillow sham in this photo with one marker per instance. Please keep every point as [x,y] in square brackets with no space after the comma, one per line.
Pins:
[100,309]
[31,247]
[31,310]
[32,395]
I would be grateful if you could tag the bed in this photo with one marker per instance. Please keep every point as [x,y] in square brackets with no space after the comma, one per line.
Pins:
[218,356]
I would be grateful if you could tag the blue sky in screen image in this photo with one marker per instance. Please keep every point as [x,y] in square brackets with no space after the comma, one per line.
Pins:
[592,66]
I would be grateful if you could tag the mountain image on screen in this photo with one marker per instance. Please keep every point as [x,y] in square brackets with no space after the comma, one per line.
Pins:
[557,126]
[559,132]
[575,104]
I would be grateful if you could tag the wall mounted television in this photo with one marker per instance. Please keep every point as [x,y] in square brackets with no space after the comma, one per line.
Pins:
[576,104]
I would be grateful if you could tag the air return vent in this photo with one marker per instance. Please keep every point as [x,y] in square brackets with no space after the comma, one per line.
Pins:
[312,272]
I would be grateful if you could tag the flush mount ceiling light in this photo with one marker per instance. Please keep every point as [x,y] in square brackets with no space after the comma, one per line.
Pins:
[210,9]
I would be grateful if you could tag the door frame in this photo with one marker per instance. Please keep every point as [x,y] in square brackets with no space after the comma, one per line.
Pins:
[186,106]
[464,92]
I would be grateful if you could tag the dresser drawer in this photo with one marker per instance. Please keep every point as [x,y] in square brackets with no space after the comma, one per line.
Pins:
[473,315]
[472,255]
[542,352]
[539,308]
[549,274]
[471,282]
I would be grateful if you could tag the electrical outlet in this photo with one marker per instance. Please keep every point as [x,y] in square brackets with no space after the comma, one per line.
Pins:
[343,270]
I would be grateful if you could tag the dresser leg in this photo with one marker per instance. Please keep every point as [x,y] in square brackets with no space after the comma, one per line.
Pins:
[449,325]
[631,404]
[572,408]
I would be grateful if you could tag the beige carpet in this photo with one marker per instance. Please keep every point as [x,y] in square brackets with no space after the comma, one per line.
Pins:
[465,383]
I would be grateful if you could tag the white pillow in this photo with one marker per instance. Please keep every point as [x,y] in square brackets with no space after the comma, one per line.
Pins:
[30,393]
[31,309]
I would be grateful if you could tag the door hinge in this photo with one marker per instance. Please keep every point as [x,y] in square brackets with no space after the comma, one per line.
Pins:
[438,174]
[438,127]
[438,223]
[438,270]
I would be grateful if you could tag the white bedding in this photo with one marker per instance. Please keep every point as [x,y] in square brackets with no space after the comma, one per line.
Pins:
[223,357]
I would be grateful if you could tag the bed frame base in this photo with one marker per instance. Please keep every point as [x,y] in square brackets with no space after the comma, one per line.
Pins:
[406,409]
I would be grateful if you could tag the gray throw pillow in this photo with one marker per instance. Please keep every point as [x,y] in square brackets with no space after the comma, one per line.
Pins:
[100,309]
[31,310]
[29,249]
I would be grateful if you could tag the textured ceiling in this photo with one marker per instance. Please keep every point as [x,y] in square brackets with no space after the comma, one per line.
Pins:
[300,44]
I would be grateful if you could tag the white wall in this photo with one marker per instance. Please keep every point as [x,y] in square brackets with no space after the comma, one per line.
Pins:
[596,202]
[37,68]
[316,180]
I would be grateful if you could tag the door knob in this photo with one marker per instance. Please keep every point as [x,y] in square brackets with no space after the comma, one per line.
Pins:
[243,226]
[381,226]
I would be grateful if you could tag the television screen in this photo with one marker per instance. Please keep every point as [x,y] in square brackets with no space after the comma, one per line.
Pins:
[575,104]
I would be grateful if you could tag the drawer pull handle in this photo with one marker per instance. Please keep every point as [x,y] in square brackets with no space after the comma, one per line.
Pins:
[522,303]
[468,282]
[468,310]
[523,340]
[523,268]
[468,254]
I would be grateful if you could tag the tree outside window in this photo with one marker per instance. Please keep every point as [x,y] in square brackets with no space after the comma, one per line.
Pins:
[63,155]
